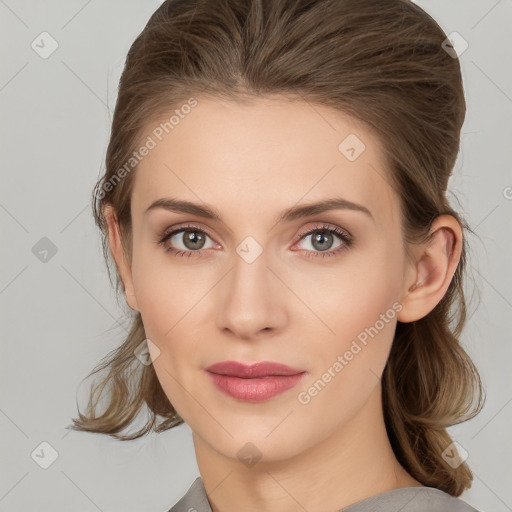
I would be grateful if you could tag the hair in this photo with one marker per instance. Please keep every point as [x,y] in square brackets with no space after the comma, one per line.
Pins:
[380,61]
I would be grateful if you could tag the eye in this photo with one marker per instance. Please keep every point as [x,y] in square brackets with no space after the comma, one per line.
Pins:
[322,241]
[186,240]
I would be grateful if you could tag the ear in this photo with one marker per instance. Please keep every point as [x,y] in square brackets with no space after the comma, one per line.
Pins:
[431,272]
[122,263]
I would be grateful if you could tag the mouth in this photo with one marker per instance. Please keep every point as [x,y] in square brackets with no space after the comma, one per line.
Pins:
[254,383]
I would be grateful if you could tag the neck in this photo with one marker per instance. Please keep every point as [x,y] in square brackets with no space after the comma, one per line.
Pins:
[352,464]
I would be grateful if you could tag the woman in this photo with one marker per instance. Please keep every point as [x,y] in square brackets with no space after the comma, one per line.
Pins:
[275,204]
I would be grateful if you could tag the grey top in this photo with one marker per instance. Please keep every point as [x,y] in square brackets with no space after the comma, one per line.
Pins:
[406,499]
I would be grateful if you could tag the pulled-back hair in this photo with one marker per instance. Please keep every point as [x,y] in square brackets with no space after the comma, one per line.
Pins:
[380,61]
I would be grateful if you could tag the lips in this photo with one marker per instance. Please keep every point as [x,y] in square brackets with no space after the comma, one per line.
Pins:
[256,370]
[254,383]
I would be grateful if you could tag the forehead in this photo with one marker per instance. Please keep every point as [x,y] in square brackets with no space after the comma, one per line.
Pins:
[267,154]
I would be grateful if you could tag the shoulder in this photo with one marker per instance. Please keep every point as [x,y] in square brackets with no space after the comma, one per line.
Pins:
[406,499]
[411,499]
[194,500]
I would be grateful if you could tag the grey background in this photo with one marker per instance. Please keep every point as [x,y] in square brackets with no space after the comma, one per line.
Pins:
[60,317]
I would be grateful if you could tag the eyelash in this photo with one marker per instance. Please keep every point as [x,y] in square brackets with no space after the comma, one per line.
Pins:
[345,238]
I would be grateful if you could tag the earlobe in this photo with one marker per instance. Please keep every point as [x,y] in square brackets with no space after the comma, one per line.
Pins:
[131,300]
[435,263]
[117,251]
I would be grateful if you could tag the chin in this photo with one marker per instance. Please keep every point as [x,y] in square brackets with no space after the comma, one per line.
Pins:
[257,448]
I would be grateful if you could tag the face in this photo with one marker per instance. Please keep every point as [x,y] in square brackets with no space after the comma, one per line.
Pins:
[317,290]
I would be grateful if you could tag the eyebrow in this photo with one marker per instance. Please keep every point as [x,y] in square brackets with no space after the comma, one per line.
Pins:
[290,214]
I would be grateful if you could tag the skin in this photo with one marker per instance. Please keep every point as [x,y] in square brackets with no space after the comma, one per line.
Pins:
[250,162]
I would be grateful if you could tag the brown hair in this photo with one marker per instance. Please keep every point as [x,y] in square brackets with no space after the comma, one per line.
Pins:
[381,61]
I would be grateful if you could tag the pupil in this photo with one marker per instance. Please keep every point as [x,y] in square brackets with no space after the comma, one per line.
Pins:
[193,240]
[321,237]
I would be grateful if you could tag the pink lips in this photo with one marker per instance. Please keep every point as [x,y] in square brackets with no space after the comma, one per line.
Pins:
[253,383]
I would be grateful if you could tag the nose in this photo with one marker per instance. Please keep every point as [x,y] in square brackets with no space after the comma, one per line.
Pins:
[252,301]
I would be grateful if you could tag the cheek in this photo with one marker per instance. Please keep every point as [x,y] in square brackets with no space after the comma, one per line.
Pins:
[349,363]
[165,289]
[167,303]
[358,309]
[345,299]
